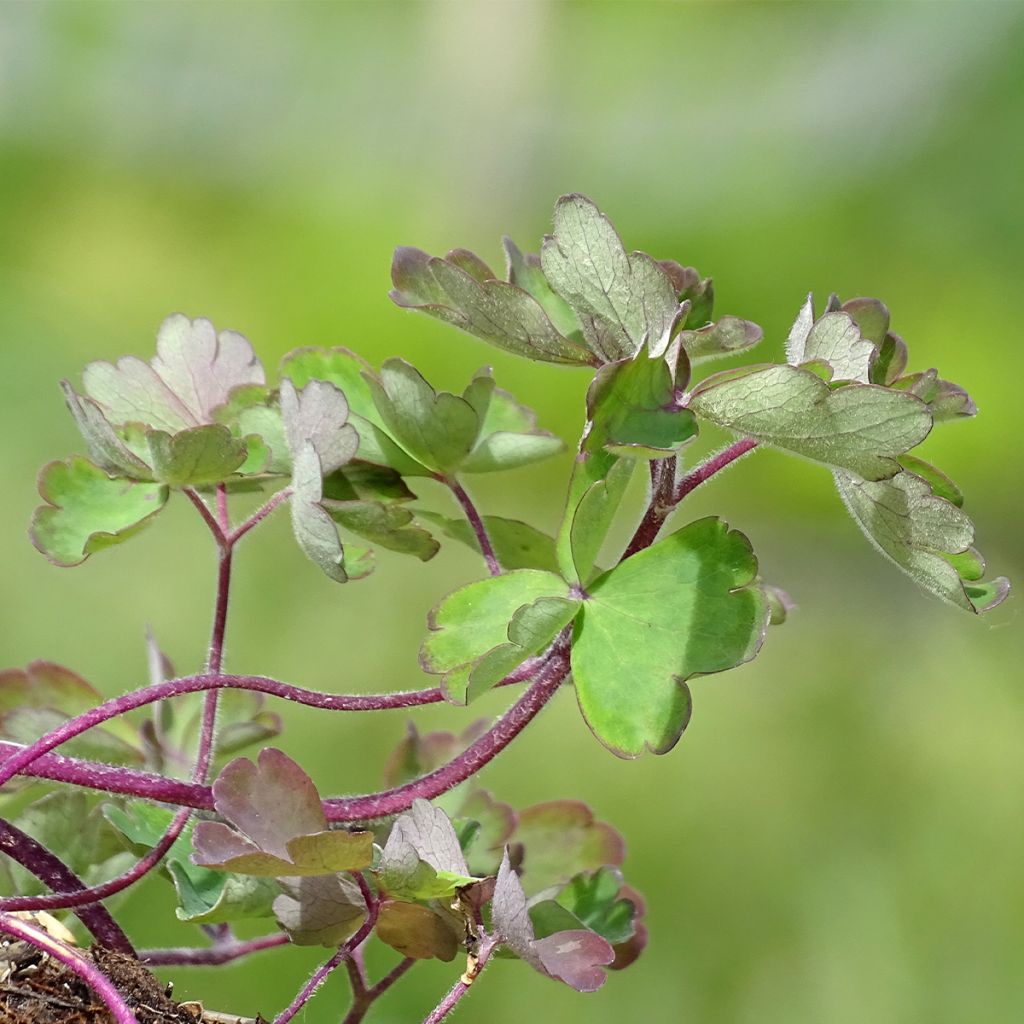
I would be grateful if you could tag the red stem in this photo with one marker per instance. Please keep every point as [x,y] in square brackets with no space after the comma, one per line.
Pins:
[206,514]
[55,874]
[460,988]
[344,809]
[476,524]
[212,956]
[74,961]
[707,469]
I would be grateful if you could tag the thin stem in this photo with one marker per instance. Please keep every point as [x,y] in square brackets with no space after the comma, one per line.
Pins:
[343,953]
[715,464]
[74,961]
[554,668]
[463,985]
[259,515]
[206,514]
[18,757]
[362,997]
[213,956]
[476,524]
[52,871]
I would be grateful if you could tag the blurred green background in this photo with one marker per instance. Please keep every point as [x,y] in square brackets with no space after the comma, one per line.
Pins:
[838,838]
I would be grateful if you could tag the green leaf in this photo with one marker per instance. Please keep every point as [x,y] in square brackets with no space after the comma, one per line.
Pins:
[836,340]
[596,488]
[338,366]
[253,411]
[88,511]
[517,545]
[437,429]
[192,374]
[196,456]
[422,858]
[560,839]
[859,427]
[632,405]
[524,271]
[595,899]
[385,525]
[941,485]
[925,535]
[363,481]
[204,896]
[416,931]
[623,300]
[495,311]
[322,910]
[492,626]
[683,607]
[718,340]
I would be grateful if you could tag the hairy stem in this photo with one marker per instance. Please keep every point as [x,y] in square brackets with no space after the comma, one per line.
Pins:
[362,997]
[74,961]
[53,872]
[206,515]
[476,523]
[18,757]
[659,506]
[259,515]
[343,953]
[223,952]
[553,669]
[463,985]
[712,465]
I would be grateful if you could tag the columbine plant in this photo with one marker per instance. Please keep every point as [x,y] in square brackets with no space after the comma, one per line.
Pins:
[433,865]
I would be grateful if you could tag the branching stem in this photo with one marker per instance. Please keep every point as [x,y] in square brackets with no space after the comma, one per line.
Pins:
[223,952]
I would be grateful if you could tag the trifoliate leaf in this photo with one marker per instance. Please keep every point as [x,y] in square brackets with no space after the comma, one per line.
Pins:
[517,545]
[416,931]
[632,405]
[281,823]
[204,896]
[575,957]
[496,311]
[726,337]
[683,607]
[196,456]
[422,858]
[927,536]
[193,372]
[475,632]
[388,526]
[88,511]
[859,427]
[321,910]
[623,300]
[560,839]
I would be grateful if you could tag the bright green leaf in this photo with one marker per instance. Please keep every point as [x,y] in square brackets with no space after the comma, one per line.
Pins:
[683,607]
[88,511]
[196,456]
[517,545]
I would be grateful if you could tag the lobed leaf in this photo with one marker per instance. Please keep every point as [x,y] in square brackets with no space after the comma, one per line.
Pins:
[481,632]
[727,337]
[87,510]
[927,536]
[859,427]
[623,300]
[416,931]
[496,311]
[196,456]
[322,910]
[683,607]
[517,544]
[385,525]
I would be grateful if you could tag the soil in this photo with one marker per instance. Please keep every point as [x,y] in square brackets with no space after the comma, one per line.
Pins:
[35,989]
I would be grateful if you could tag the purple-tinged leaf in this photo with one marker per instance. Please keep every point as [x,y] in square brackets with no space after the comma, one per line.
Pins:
[628,952]
[562,838]
[318,415]
[416,931]
[495,311]
[945,400]
[319,911]
[106,449]
[419,753]
[193,372]
[726,337]
[871,317]
[576,957]
[282,828]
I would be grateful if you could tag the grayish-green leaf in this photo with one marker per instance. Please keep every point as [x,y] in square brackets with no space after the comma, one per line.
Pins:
[860,427]
[318,415]
[106,449]
[388,526]
[195,456]
[517,545]
[726,337]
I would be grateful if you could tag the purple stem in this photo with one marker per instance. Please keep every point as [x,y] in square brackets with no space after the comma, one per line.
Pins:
[206,514]
[476,524]
[74,961]
[213,956]
[461,987]
[259,515]
[343,809]
[659,506]
[52,871]
[717,462]
[362,997]
[192,684]
[344,952]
